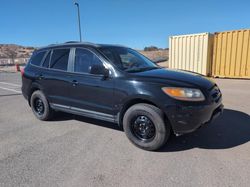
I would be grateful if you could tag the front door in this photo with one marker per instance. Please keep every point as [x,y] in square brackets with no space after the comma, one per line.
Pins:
[90,93]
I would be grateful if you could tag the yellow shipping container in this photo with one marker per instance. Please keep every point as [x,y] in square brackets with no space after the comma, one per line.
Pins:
[191,52]
[231,54]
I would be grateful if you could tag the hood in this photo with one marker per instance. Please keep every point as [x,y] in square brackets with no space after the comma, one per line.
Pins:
[179,76]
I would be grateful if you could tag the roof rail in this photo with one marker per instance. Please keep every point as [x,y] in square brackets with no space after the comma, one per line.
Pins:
[76,43]
[71,42]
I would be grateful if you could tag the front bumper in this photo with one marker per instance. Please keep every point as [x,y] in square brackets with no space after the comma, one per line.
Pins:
[186,119]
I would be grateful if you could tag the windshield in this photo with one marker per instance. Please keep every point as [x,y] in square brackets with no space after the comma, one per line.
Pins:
[128,59]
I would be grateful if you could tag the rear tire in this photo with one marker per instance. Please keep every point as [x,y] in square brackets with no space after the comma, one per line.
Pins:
[40,106]
[145,127]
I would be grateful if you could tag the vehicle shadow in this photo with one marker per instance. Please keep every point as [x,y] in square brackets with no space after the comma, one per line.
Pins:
[61,116]
[229,130]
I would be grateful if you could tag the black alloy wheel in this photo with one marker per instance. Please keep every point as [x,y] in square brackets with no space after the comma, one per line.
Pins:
[143,128]
[39,106]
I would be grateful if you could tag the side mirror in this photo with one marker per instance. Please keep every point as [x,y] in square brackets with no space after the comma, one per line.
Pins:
[98,69]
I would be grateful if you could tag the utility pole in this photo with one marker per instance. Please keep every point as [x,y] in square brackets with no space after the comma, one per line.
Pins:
[79,20]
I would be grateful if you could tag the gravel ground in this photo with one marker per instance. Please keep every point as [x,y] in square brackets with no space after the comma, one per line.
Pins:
[77,151]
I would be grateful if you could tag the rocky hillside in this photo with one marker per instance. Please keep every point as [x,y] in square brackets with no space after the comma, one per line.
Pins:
[13,51]
[157,55]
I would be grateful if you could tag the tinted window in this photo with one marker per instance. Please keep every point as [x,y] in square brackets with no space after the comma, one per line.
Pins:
[46,61]
[37,58]
[84,59]
[128,59]
[60,59]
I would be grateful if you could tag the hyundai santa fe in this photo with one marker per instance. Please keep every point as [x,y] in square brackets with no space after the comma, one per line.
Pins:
[118,84]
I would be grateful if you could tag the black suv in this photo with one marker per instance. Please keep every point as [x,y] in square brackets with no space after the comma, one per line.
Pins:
[118,84]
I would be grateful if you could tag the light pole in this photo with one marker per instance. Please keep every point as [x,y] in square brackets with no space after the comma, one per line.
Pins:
[79,21]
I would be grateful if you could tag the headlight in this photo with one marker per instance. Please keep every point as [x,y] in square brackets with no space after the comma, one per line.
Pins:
[185,94]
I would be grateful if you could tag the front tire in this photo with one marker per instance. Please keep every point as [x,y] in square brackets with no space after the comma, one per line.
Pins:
[40,106]
[145,127]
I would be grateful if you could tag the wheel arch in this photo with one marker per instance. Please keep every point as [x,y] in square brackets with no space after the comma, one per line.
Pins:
[134,101]
[34,87]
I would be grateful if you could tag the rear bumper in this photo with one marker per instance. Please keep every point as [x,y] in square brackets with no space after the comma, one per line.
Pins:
[186,119]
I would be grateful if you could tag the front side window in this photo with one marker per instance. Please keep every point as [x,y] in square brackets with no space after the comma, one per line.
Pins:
[84,59]
[128,59]
[37,58]
[59,59]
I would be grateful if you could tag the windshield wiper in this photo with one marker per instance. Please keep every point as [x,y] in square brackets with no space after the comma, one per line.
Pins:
[141,69]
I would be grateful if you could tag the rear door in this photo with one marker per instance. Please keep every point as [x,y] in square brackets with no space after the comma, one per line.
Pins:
[56,79]
[90,92]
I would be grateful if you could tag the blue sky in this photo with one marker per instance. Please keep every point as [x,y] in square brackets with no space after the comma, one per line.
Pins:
[135,23]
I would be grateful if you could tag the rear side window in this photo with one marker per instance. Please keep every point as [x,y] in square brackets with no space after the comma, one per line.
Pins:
[37,58]
[59,59]
[46,61]
[84,59]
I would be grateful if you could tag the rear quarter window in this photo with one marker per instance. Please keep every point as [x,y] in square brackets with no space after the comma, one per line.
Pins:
[47,60]
[37,58]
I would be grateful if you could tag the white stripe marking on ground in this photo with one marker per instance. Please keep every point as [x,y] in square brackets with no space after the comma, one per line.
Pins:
[10,90]
[12,84]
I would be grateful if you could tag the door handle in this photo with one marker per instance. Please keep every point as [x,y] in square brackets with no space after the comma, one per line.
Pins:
[74,82]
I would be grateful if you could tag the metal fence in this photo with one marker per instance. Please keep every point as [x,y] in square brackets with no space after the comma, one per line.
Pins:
[9,61]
